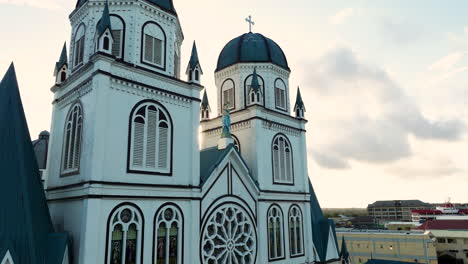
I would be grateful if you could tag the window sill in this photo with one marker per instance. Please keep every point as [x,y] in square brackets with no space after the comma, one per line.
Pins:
[69,173]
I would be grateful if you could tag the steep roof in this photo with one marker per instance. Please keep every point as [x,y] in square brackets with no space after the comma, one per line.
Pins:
[105,22]
[299,103]
[344,254]
[194,60]
[321,228]
[25,223]
[210,158]
[205,105]
[63,58]
[255,85]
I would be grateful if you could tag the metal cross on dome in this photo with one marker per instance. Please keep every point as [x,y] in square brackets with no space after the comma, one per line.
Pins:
[251,22]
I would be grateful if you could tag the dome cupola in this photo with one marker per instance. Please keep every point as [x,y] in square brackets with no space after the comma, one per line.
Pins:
[252,48]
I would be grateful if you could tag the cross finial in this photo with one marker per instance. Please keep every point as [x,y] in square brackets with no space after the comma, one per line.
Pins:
[251,22]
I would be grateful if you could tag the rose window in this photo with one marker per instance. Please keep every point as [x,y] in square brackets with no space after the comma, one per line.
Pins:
[229,237]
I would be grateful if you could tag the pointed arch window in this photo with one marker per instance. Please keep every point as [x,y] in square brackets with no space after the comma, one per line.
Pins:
[296,235]
[154,45]
[150,139]
[72,140]
[125,236]
[118,35]
[275,233]
[280,94]
[227,93]
[282,160]
[168,236]
[79,45]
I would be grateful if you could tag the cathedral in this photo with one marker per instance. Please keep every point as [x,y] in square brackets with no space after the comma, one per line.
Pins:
[141,169]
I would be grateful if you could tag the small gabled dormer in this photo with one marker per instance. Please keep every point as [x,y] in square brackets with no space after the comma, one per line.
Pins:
[194,70]
[61,67]
[299,107]
[104,37]
[254,90]
[205,108]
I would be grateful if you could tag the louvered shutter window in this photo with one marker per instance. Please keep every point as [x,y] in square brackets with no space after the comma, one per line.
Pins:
[117,44]
[151,139]
[280,94]
[72,140]
[153,45]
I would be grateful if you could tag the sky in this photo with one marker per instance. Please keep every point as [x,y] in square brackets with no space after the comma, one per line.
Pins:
[384,82]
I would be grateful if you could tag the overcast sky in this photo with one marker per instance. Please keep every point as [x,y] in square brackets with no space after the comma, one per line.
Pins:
[385,83]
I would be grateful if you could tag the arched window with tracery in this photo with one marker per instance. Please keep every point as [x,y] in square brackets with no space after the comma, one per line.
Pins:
[227,93]
[168,236]
[79,45]
[282,160]
[275,233]
[296,241]
[125,236]
[150,139]
[154,45]
[72,140]
[280,94]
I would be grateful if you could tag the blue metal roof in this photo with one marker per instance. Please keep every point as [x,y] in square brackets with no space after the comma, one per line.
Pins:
[252,47]
[321,227]
[25,224]
[166,5]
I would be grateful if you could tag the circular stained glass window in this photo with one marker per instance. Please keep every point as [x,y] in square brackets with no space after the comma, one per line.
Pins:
[229,237]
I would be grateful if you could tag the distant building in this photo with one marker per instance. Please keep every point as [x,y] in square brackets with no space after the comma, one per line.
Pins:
[451,238]
[397,210]
[447,210]
[364,222]
[394,246]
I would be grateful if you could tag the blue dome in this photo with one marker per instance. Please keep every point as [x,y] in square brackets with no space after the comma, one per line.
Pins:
[252,47]
[166,5]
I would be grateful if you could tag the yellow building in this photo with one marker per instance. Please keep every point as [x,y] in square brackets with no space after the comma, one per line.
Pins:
[407,246]
[451,245]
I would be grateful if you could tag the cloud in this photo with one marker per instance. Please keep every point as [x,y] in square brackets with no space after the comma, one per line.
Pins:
[342,16]
[419,168]
[327,160]
[400,32]
[46,4]
[446,63]
[375,118]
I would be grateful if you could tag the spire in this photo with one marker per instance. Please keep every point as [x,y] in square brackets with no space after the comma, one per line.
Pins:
[299,102]
[194,70]
[105,22]
[344,254]
[63,58]
[205,105]
[194,61]
[299,107]
[24,216]
[255,84]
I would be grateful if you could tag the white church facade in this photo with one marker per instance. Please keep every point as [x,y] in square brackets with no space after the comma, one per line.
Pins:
[142,169]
